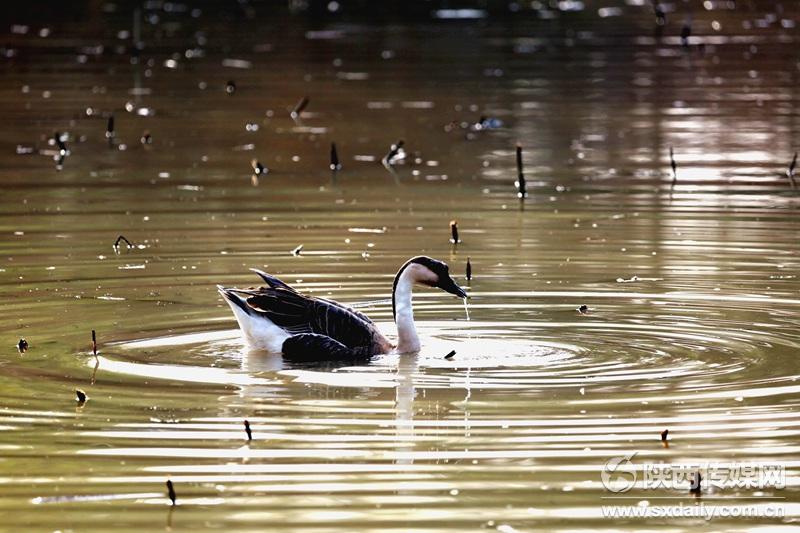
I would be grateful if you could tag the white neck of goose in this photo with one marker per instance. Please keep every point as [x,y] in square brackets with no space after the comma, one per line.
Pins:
[407,338]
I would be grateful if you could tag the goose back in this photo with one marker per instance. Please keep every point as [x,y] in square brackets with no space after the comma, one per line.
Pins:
[298,314]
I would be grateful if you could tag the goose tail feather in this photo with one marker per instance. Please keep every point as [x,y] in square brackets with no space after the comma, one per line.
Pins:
[233,298]
[271,280]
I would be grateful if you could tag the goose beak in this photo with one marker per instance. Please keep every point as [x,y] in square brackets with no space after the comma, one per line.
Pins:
[449,285]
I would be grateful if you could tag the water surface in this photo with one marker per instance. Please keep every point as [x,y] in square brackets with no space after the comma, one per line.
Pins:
[691,283]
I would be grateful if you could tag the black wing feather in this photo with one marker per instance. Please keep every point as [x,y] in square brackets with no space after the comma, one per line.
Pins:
[359,314]
[299,314]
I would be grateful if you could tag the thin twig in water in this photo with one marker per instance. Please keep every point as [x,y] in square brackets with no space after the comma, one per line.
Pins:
[674,166]
[686,32]
[299,107]
[522,189]
[661,17]
[247,430]
[395,154]
[454,232]
[258,168]
[122,238]
[695,484]
[790,172]
[335,165]
[110,130]
[63,152]
[171,492]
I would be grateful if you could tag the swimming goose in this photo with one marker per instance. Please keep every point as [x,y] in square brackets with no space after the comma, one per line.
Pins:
[279,319]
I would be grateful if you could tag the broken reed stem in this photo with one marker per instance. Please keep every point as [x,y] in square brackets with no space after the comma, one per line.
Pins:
[522,188]
[674,166]
[454,232]
[171,492]
[299,107]
[335,165]
[110,130]
[122,238]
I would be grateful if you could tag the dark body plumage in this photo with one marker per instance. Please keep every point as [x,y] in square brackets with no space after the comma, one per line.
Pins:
[311,346]
[319,328]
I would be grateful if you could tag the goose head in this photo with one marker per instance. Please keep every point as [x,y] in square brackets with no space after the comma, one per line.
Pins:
[424,270]
[427,271]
